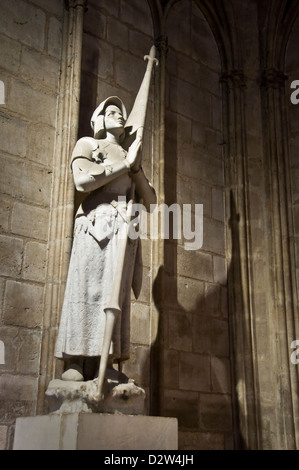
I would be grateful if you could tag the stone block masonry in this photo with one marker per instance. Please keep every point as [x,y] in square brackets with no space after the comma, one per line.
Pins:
[196,358]
[30,69]
[236,297]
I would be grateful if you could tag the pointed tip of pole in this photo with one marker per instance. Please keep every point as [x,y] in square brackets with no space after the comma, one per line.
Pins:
[151,57]
[153,51]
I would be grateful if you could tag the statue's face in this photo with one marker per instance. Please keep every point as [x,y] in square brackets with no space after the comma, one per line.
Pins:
[113,118]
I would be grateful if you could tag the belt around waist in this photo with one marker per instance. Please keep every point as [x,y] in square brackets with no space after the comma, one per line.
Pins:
[103,197]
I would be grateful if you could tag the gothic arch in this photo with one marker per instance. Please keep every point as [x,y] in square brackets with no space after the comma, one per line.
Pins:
[222,22]
[157,17]
[278,18]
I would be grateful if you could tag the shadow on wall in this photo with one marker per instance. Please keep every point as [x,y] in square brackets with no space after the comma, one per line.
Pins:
[197,360]
[88,97]
[191,366]
[245,413]
[191,357]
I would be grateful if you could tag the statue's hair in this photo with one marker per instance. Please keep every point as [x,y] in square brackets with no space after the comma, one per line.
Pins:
[98,125]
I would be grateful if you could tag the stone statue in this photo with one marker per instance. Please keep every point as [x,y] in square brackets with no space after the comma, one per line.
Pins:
[94,329]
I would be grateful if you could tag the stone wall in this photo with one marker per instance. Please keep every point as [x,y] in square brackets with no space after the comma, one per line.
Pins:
[116,37]
[197,384]
[29,68]
[235,297]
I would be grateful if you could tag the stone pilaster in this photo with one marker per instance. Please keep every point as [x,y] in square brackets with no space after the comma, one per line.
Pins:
[261,286]
[239,259]
[285,316]
[157,373]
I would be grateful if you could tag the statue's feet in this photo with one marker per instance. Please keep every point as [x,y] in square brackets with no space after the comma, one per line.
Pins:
[74,372]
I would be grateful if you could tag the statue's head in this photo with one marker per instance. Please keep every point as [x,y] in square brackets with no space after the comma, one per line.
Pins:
[113,103]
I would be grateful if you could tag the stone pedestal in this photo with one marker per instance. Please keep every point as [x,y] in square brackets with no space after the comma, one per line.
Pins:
[95,431]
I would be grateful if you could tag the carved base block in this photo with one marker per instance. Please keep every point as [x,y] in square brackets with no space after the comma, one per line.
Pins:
[120,395]
[95,431]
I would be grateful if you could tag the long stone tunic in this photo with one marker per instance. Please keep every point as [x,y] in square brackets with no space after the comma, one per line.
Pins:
[100,228]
